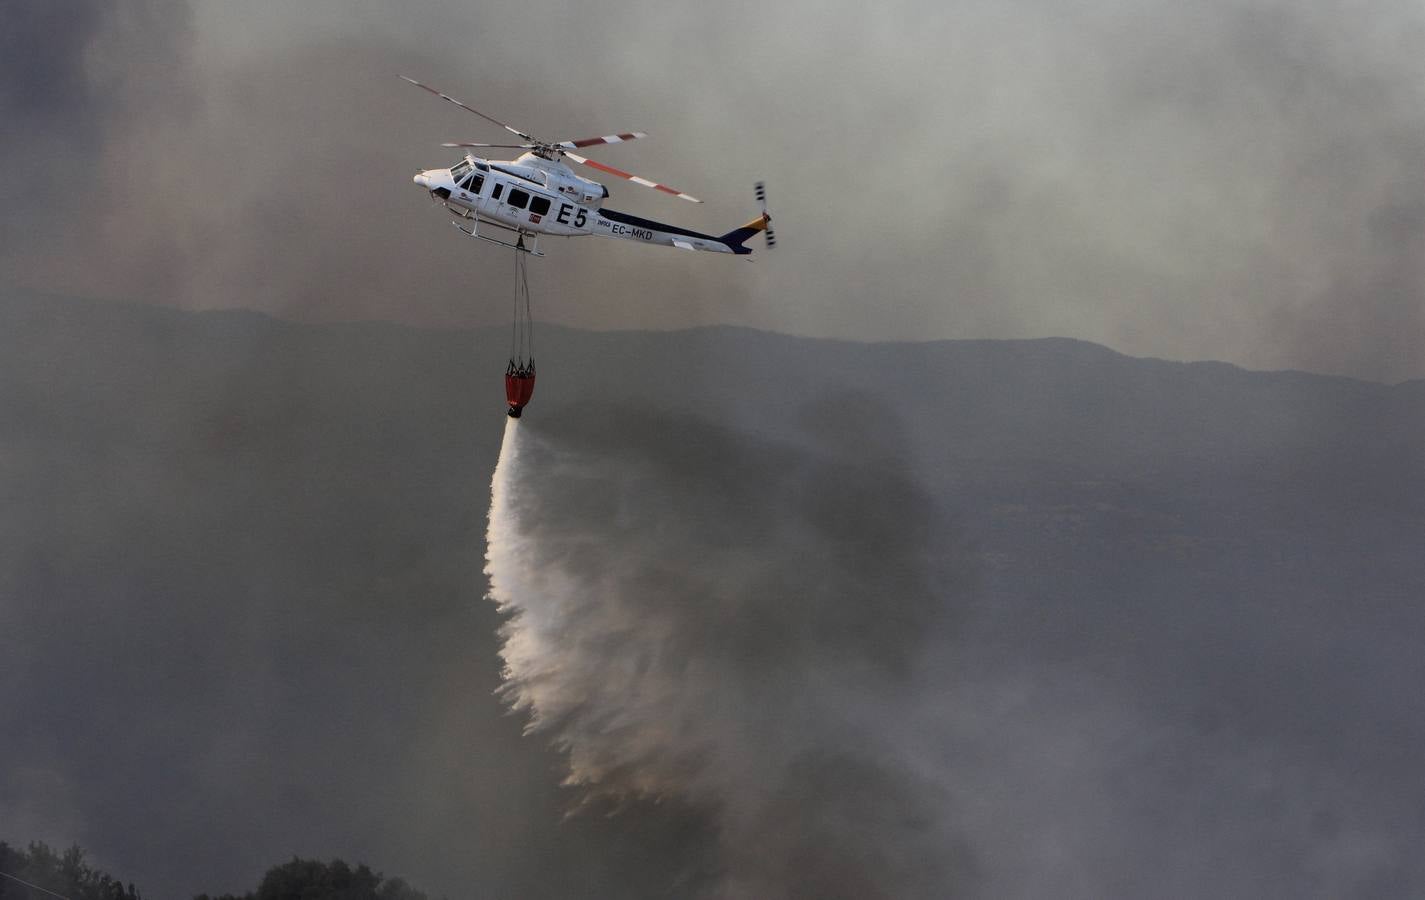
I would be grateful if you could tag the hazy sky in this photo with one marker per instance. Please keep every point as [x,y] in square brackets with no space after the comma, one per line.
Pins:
[1234,179]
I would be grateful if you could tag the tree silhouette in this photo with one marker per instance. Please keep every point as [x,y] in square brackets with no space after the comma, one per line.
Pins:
[310,879]
[39,872]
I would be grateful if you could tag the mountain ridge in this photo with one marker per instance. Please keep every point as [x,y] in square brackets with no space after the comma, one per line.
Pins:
[33,299]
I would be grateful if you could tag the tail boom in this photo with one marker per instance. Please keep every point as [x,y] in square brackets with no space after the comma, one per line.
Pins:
[612,223]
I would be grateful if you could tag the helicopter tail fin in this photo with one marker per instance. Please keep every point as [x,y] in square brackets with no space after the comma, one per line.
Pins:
[735,238]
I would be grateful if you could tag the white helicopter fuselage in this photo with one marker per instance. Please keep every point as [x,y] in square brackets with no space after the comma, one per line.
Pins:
[528,194]
[534,195]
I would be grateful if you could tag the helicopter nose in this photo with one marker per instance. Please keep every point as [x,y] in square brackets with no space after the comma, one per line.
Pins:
[422,180]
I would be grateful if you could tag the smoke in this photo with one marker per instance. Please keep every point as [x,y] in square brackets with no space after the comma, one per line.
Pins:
[732,624]
[1181,663]
[85,86]
[1233,180]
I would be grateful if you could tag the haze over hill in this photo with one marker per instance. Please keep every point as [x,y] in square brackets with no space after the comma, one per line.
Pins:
[1152,628]
[1230,179]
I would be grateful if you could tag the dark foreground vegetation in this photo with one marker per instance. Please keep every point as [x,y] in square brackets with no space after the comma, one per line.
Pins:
[310,879]
[40,871]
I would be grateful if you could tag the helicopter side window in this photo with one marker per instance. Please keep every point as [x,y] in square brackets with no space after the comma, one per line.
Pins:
[518,198]
[499,189]
[539,205]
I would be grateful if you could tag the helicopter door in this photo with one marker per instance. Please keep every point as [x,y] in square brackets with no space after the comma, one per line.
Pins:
[497,205]
[518,200]
[468,190]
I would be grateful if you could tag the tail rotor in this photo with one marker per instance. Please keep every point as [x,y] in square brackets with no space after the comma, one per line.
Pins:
[768,232]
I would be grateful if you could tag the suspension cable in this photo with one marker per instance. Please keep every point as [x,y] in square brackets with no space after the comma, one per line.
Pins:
[528,314]
[515,319]
[522,320]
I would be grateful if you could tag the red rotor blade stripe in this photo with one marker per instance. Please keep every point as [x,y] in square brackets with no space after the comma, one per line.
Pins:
[606,139]
[634,178]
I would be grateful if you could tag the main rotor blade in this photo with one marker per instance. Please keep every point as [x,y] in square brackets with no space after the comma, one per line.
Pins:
[634,178]
[606,139]
[511,129]
[502,146]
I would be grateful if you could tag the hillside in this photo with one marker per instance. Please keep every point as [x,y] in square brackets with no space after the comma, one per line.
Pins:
[241,608]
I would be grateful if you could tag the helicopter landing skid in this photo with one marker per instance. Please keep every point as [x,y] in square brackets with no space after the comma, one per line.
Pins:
[474,231]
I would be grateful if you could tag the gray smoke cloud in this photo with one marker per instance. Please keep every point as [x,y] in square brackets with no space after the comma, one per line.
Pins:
[84,86]
[1146,697]
[1235,180]
[732,624]
[1007,619]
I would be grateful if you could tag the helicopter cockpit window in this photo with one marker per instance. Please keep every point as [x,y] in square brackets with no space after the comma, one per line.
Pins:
[458,170]
[473,184]
[518,198]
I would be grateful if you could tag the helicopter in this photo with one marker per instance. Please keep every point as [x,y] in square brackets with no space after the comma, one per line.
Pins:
[538,193]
